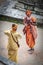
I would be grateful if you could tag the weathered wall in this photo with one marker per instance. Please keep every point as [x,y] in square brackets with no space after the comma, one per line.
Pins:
[1,1]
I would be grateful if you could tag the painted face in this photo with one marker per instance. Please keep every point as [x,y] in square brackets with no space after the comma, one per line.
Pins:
[28,13]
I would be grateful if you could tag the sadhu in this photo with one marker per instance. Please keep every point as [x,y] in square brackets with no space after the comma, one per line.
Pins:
[30,29]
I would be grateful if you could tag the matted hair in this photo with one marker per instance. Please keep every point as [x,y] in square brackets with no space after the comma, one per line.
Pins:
[28,11]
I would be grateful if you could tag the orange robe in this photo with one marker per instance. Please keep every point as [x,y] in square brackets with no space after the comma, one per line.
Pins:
[28,30]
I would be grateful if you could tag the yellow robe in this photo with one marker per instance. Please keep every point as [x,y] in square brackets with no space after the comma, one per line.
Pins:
[12,46]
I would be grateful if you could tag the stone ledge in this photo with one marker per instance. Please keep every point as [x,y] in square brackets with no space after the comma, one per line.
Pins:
[5,61]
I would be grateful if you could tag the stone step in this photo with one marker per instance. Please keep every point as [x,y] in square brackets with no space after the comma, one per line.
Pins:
[5,61]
